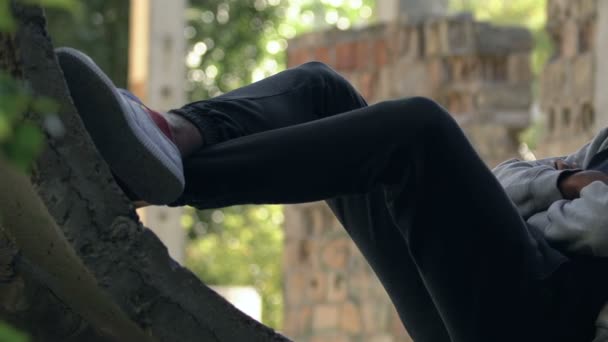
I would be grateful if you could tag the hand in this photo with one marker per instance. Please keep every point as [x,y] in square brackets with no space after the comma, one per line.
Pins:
[571,185]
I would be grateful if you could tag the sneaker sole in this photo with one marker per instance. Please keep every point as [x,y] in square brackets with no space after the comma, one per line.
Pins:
[152,169]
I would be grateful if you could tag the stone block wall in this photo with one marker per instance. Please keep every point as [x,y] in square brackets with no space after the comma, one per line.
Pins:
[568,80]
[331,293]
[479,72]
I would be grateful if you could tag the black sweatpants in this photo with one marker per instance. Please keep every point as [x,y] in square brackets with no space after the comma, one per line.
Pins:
[431,219]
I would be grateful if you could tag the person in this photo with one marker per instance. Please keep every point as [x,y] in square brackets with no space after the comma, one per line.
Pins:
[460,259]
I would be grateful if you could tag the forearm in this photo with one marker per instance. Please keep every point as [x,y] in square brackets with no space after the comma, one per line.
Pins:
[532,186]
[578,226]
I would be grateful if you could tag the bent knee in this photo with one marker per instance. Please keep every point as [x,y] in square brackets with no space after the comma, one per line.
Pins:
[321,70]
[316,66]
[420,104]
[421,112]
[423,107]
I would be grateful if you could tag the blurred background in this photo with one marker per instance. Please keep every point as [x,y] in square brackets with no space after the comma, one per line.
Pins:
[522,77]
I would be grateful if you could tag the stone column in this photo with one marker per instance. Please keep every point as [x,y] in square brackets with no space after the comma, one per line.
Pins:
[389,10]
[157,74]
[572,97]
[601,67]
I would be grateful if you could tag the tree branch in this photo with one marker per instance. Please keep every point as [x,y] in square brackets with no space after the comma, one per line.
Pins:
[127,260]
[29,225]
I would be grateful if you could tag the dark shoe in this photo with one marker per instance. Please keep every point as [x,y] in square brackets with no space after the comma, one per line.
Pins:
[135,141]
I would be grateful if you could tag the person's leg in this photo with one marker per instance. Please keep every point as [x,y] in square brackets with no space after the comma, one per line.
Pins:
[304,94]
[467,240]
[386,148]
[369,223]
[127,133]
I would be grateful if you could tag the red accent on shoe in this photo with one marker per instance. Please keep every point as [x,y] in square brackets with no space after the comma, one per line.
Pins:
[161,122]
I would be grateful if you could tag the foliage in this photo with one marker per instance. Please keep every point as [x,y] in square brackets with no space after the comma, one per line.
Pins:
[531,136]
[240,245]
[20,140]
[236,42]
[225,43]
[7,23]
[9,334]
[102,33]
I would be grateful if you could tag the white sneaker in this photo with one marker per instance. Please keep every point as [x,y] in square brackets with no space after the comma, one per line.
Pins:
[135,141]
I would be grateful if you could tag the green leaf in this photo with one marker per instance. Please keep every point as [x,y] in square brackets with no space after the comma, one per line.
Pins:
[16,106]
[72,6]
[29,138]
[44,105]
[10,334]
[7,23]
[5,127]
[14,97]
[63,4]
[25,145]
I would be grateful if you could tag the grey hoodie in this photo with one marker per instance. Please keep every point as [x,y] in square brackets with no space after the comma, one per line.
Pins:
[579,225]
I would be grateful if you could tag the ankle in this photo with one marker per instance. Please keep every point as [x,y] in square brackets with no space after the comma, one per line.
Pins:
[186,136]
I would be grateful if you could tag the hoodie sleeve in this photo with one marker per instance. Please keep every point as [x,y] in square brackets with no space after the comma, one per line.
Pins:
[601,334]
[601,324]
[532,185]
[579,226]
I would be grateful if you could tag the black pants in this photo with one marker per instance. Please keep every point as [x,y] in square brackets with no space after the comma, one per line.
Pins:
[435,225]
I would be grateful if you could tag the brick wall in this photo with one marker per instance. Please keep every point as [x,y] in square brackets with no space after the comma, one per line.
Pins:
[568,81]
[331,293]
[479,72]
